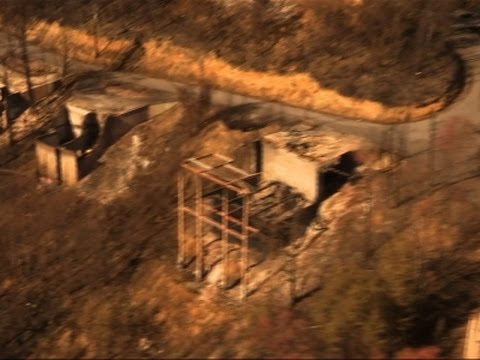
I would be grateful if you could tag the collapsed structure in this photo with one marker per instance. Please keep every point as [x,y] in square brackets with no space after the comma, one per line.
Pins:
[93,119]
[312,160]
[226,214]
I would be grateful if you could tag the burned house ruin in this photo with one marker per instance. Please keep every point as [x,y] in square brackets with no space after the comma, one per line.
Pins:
[91,121]
[316,162]
[227,215]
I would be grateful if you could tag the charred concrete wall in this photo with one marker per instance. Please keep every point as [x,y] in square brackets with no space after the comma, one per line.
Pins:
[287,167]
[41,91]
[69,167]
[68,162]
[46,152]
[59,164]
[77,117]
[472,338]
[114,127]
[135,117]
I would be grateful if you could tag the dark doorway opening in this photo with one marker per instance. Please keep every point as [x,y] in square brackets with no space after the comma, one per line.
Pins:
[90,131]
[329,182]
[16,105]
[332,180]
[62,126]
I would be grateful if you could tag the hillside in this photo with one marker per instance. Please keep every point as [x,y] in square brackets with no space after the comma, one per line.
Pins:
[381,263]
[89,271]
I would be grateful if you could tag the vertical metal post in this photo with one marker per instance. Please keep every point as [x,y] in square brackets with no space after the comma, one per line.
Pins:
[181,218]
[432,151]
[198,229]
[225,225]
[244,247]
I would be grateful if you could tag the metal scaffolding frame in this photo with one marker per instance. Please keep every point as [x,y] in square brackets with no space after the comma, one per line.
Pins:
[219,170]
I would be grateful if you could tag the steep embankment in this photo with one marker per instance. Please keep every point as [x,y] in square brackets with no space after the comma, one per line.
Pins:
[344,82]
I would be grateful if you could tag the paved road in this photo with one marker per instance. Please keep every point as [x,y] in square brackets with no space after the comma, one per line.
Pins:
[416,135]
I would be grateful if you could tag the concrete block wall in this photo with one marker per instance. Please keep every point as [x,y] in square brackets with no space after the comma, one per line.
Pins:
[472,338]
[287,167]
[69,167]
[77,118]
[47,161]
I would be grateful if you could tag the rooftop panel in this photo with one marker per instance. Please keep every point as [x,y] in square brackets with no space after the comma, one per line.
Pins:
[219,169]
[320,144]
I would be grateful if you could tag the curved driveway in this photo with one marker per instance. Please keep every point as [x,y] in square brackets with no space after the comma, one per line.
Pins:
[415,136]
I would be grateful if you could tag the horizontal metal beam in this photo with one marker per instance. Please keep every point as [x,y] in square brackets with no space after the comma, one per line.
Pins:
[209,221]
[243,178]
[230,218]
[206,167]
[227,184]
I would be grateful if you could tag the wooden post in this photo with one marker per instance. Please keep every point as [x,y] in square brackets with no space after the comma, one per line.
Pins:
[244,248]
[198,229]
[225,225]
[181,219]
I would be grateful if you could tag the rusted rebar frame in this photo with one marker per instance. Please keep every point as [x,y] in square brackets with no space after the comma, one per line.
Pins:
[181,218]
[198,229]
[207,220]
[244,247]
[227,214]
[201,170]
[225,239]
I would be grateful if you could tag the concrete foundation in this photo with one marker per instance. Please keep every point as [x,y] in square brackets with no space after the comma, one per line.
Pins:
[472,338]
[47,154]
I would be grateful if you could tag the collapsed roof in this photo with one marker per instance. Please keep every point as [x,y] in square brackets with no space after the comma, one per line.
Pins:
[321,145]
[106,95]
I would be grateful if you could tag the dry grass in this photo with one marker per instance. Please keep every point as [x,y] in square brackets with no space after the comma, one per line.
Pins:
[79,44]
